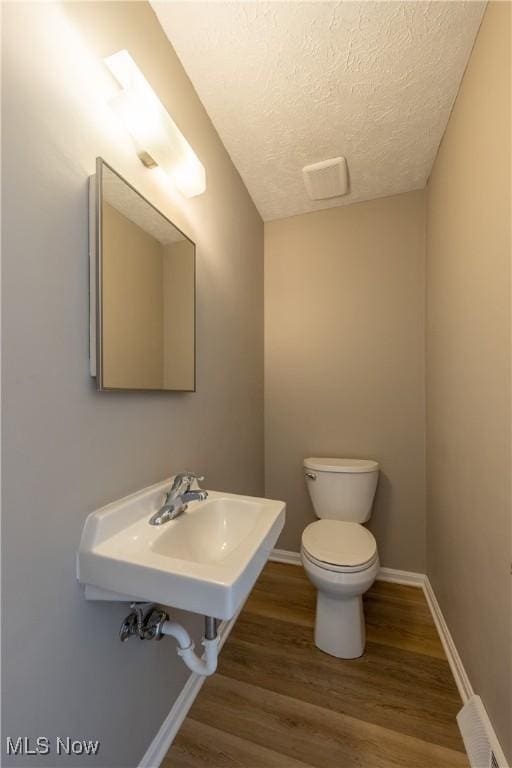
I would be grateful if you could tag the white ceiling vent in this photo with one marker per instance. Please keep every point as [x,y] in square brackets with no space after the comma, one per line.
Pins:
[326,179]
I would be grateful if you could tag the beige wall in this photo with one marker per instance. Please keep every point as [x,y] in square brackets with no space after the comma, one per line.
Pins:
[132,326]
[468,371]
[344,360]
[67,448]
[178,290]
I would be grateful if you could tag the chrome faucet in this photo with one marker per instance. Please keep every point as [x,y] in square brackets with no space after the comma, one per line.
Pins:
[178,497]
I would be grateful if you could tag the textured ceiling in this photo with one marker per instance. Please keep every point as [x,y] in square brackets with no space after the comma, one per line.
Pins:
[292,83]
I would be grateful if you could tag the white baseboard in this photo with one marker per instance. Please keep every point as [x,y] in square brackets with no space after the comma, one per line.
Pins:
[285,556]
[385,574]
[394,576]
[160,745]
[459,673]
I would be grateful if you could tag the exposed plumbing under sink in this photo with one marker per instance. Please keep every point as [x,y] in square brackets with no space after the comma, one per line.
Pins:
[147,622]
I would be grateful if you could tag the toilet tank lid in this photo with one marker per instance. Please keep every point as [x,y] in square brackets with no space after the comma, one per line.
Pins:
[341,465]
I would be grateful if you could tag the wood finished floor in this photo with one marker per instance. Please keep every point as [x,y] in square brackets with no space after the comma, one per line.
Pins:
[278,702]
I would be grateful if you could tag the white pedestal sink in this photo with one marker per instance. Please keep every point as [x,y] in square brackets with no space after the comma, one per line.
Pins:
[205,561]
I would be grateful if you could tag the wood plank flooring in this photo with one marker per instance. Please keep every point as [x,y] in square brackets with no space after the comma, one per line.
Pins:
[278,702]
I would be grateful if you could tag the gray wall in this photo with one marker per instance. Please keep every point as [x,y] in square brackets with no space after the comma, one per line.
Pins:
[468,372]
[67,449]
[345,361]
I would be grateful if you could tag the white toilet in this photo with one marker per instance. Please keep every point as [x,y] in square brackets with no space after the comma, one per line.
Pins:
[338,553]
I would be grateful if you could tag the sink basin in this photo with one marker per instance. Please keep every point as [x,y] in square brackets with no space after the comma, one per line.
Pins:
[205,561]
[211,532]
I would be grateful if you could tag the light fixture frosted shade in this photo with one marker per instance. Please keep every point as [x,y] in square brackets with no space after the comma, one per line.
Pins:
[158,139]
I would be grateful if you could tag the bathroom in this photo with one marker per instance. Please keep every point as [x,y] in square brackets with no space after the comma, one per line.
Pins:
[368,330]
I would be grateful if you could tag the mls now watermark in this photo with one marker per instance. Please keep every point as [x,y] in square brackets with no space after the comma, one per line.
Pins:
[42,745]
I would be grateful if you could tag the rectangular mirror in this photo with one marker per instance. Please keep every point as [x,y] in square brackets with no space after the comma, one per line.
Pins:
[142,291]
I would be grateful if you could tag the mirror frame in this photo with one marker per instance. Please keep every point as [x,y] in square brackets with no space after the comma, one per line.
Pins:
[96,279]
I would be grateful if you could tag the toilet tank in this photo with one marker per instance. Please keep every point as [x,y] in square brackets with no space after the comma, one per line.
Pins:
[342,489]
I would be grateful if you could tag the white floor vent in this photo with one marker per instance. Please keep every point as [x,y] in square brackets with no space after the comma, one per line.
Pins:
[478,735]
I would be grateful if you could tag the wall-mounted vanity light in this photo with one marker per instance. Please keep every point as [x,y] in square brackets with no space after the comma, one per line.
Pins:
[158,139]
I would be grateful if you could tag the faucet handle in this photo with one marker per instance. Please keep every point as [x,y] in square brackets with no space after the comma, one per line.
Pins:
[189,477]
[184,480]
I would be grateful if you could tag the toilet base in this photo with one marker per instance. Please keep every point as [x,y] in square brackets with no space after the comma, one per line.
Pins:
[339,626]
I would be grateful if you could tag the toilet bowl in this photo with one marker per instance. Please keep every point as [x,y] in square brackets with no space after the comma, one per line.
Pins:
[338,553]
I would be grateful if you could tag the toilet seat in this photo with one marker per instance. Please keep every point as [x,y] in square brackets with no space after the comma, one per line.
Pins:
[340,546]
[347,569]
